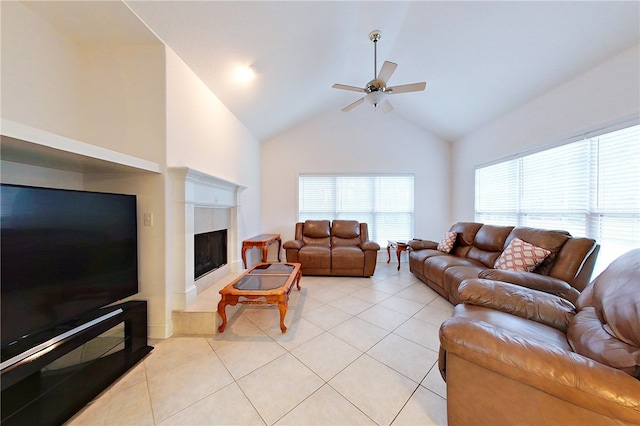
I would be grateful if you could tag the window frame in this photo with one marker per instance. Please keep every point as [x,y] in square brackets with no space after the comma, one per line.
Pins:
[373,217]
[589,214]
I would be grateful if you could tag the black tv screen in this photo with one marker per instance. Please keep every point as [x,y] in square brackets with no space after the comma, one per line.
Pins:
[63,253]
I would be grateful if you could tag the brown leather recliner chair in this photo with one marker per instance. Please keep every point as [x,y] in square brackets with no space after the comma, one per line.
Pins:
[514,355]
[341,249]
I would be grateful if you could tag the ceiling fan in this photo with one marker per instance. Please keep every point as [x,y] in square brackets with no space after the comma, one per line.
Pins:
[376,90]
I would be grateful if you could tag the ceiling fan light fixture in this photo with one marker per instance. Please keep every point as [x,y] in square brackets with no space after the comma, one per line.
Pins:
[375,98]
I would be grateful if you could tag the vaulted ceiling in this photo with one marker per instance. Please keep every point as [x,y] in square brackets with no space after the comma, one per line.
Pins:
[480,59]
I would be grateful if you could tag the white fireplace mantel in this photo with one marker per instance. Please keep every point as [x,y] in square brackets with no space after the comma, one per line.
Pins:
[189,189]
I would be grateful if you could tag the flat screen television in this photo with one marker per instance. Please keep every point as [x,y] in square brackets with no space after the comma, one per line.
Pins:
[63,253]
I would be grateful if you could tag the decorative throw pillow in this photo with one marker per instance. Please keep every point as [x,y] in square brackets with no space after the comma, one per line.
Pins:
[447,241]
[521,256]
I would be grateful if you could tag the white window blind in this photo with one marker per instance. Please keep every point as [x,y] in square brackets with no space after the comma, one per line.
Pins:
[590,188]
[497,200]
[384,202]
[615,196]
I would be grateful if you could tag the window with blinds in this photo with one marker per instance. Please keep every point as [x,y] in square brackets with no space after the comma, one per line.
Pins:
[590,188]
[384,202]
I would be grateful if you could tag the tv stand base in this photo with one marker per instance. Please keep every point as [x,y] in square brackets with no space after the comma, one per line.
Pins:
[33,394]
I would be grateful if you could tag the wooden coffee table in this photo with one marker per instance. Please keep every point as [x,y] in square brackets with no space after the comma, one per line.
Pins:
[263,284]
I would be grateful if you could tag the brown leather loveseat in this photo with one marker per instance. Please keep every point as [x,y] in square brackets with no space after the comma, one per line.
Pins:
[477,250]
[513,355]
[341,248]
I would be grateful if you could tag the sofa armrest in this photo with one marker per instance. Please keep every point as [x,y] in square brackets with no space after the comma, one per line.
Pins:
[293,244]
[534,305]
[422,244]
[535,281]
[562,374]
[370,245]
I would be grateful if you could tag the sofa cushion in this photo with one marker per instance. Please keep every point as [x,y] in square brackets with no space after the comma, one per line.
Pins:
[521,256]
[534,281]
[616,297]
[523,328]
[607,328]
[574,259]
[345,257]
[466,232]
[488,244]
[588,336]
[487,258]
[550,240]
[447,241]
[491,237]
[435,266]
[417,258]
[316,232]
[454,276]
[345,233]
[513,299]
[315,257]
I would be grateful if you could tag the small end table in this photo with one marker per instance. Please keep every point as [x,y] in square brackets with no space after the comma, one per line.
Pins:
[399,247]
[262,242]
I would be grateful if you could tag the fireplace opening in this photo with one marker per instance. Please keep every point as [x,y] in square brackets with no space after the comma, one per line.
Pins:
[210,251]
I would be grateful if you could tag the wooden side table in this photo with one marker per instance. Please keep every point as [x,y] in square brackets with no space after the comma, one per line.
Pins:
[262,241]
[399,247]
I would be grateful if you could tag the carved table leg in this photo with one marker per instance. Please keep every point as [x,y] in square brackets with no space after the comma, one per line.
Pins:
[223,314]
[279,247]
[244,255]
[298,277]
[282,306]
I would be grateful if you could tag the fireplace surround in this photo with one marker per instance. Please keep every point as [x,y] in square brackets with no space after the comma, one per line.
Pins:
[200,203]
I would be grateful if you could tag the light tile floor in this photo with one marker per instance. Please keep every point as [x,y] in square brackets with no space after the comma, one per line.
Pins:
[357,351]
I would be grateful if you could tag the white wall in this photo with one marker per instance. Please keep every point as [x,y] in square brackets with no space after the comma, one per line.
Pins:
[601,96]
[123,99]
[29,46]
[204,135]
[360,141]
[110,96]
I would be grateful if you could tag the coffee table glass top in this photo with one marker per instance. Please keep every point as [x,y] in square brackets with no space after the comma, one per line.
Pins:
[261,282]
[272,268]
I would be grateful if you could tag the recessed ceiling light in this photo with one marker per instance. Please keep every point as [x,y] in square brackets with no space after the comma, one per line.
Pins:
[244,74]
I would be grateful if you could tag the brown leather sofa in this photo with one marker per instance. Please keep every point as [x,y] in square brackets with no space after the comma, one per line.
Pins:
[341,248]
[564,272]
[513,355]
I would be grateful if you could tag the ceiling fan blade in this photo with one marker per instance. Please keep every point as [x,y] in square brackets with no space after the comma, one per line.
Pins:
[385,72]
[386,106]
[404,88]
[345,87]
[353,105]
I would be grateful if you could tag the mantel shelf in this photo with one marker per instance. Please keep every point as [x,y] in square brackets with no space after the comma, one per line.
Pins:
[29,145]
